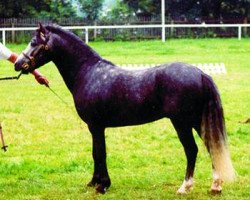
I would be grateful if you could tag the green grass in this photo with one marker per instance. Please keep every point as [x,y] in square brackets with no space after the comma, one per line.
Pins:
[49,154]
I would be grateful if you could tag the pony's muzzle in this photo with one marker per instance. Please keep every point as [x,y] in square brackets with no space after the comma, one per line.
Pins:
[24,62]
[20,65]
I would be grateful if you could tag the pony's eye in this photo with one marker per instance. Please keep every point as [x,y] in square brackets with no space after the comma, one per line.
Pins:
[33,43]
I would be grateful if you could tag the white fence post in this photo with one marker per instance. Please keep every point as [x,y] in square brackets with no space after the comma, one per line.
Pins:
[163,29]
[239,32]
[3,37]
[86,35]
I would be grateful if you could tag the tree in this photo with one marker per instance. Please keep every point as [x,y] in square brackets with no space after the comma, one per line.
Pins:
[185,10]
[198,10]
[37,8]
[234,9]
[91,8]
[119,11]
[59,9]
[15,9]
[144,7]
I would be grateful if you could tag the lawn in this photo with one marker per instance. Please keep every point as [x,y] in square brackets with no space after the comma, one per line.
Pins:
[49,155]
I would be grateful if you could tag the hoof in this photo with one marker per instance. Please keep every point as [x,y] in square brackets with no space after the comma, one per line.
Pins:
[216,187]
[94,181]
[215,192]
[183,191]
[101,189]
[101,185]
[186,187]
[91,184]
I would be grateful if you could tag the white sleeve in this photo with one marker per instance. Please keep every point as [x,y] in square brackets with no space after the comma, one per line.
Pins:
[5,53]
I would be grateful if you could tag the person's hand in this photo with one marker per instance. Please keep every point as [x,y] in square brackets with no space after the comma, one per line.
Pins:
[40,78]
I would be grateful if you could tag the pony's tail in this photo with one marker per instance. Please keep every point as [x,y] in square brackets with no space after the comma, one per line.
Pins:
[213,131]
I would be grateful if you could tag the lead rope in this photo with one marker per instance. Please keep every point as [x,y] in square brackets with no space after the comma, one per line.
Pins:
[11,77]
[18,76]
[4,147]
[58,96]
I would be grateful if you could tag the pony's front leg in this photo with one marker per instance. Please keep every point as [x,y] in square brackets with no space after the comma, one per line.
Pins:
[100,177]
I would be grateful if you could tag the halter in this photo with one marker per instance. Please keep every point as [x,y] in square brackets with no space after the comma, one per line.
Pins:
[31,58]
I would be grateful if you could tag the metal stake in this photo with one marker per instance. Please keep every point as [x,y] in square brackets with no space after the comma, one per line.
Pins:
[4,147]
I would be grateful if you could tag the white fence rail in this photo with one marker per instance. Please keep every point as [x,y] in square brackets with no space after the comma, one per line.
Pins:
[208,68]
[87,28]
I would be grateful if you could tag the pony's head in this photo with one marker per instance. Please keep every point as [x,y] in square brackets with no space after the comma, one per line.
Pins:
[37,53]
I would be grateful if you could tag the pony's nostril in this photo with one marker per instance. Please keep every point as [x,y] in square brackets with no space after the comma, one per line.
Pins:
[18,66]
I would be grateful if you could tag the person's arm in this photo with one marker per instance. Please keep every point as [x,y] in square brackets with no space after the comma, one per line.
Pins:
[5,53]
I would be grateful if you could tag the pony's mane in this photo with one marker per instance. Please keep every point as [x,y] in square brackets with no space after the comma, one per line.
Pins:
[62,32]
[78,46]
[76,42]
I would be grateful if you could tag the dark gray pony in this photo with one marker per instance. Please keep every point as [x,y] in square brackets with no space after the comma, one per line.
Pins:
[108,96]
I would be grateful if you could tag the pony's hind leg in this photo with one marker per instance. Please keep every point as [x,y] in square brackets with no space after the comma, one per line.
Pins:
[216,186]
[184,131]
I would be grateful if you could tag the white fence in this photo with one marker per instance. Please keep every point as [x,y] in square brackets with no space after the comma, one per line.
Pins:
[162,26]
[208,68]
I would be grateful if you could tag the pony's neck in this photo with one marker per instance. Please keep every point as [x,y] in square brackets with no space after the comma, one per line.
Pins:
[71,56]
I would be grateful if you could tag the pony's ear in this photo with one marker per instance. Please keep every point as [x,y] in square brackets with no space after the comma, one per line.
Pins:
[41,28]
[41,31]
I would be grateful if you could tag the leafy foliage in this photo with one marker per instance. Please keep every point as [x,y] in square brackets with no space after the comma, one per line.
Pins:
[192,9]
[53,9]
[120,11]
[189,10]
[144,7]
[59,9]
[91,8]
